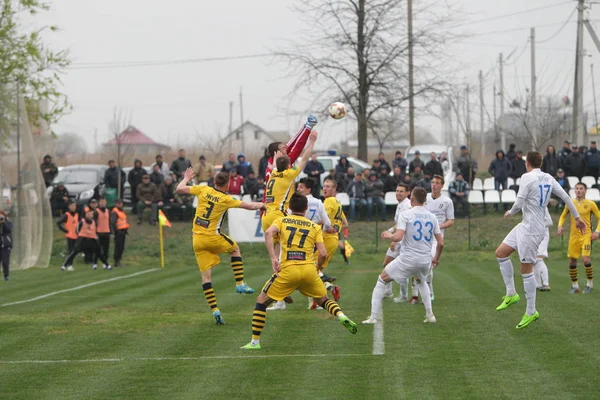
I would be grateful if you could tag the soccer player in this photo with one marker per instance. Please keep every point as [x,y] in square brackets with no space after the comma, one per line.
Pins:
[402,192]
[280,188]
[443,208]
[525,238]
[294,269]
[416,229]
[207,239]
[338,223]
[540,269]
[581,244]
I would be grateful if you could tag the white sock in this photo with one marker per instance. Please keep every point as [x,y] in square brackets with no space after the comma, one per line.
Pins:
[426,297]
[377,298]
[429,279]
[506,268]
[537,272]
[530,292]
[590,283]
[543,272]
[388,288]
[415,287]
[320,274]
[404,289]
[254,342]
[328,285]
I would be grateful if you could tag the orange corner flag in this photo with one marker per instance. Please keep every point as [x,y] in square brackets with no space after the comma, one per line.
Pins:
[162,219]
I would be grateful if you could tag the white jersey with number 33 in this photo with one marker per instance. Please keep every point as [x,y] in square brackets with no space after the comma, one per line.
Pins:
[419,226]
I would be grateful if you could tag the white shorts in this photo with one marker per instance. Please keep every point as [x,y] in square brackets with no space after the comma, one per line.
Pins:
[543,248]
[393,254]
[400,270]
[526,244]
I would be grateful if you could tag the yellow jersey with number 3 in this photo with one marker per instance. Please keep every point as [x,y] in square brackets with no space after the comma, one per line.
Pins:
[211,209]
[280,188]
[585,208]
[298,236]
[333,208]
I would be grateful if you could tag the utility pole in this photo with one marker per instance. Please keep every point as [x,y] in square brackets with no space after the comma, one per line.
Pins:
[481,114]
[501,94]
[594,94]
[411,91]
[577,129]
[495,117]
[230,117]
[468,117]
[242,120]
[534,122]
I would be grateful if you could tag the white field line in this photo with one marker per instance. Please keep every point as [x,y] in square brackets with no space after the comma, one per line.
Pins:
[78,287]
[200,358]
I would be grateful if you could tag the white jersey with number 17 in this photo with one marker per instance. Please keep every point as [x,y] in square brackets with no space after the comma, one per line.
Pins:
[419,226]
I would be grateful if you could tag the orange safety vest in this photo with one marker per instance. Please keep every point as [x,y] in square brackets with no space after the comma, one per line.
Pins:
[103,221]
[88,230]
[121,219]
[71,225]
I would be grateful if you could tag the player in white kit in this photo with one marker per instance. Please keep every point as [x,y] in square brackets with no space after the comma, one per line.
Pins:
[525,238]
[416,229]
[402,192]
[443,208]
[540,269]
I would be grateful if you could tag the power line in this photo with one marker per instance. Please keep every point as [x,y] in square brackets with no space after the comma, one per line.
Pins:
[559,29]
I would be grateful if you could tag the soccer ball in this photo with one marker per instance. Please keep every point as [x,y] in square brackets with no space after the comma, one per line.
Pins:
[337,110]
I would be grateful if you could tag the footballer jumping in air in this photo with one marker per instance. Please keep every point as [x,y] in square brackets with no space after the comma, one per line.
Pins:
[532,200]
[207,239]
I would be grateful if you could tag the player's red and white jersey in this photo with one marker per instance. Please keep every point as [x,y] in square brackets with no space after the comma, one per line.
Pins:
[442,207]
[316,212]
[534,193]
[419,226]
[401,207]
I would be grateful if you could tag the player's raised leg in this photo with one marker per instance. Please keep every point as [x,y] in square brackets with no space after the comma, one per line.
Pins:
[503,253]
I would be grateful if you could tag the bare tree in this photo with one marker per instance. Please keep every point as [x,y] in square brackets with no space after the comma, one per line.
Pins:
[214,144]
[387,126]
[120,122]
[357,53]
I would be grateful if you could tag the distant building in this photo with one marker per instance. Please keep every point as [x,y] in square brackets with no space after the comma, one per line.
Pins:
[135,142]
[252,140]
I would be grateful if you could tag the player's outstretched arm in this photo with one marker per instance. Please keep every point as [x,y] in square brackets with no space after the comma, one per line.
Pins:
[322,255]
[562,220]
[308,150]
[394,237]
[183,188]
[252,206]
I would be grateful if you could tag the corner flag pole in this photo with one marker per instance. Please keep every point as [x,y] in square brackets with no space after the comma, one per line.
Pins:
[162,247]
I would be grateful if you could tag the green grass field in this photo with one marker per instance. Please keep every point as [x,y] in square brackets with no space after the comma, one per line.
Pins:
[151,336]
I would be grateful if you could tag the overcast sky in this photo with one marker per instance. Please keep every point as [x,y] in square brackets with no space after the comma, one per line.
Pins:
[171,102]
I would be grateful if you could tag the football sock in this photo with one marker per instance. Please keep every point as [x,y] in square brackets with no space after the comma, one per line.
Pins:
[333,308]
[506,268]
[415,287]
[259,318]
[426,297]
[589,274]
[429,279]
[238,269]
[209,293]
[328,285]
[530,292]
[388,288]
[404,288]
[544,272]
[573,275]
[377,297]
[537,272]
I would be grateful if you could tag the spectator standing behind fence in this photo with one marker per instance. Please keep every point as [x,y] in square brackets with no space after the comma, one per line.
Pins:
[119,226]
[341,170]
[511,153]
[417,162]
[356,191]
[244,167]
[424,183]
[459,193]
[67,223]
[167,197]
[563,154]
[400,161]
[59,199]
[6,243]
[344,180]
[374,192]
[180,164]
[163,167]
[592,161]
[500,168]
[263,164]
[466,165]
[551,162]
[433,166]
[575,163]
[518,166]
[135,178]
[562,180]
[204,171]
[393,181]
[417,174]
[314,169]
[230,164]
[376,166]
[156,176]
[148,197]
[384,163]
[236,182]
[251,186]
[409,182]
[49,170]
[112,177]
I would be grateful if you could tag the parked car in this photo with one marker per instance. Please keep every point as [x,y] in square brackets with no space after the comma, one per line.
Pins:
[438,149]
[330,161]
[80,180]
[127,187]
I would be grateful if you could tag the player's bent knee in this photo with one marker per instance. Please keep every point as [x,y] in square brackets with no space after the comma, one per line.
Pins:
[262,298]
[321,300]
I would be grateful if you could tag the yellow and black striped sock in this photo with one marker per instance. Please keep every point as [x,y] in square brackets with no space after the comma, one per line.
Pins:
[332,307]
[259,318]
[209,293]
[237,265]
[589,271]
[573,273]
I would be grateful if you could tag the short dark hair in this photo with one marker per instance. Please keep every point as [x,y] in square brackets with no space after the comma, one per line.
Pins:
[298,203]
[308,183]
[419,194]
[146,176]
[534,159]
[159,155]
[332,181]
[181,149]
[404,185]
[221,179]
[111,161]
[273,147]
[283,163]
[441,178]
[118,201]
[581,184]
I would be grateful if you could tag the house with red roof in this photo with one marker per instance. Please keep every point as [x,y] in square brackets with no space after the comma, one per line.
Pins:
[136,143]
